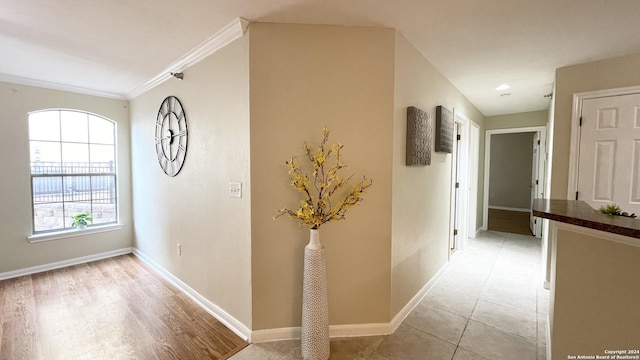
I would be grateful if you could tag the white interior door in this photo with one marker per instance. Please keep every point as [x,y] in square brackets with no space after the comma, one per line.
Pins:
[460,176]
[534,180]
[456,187]
[609,164]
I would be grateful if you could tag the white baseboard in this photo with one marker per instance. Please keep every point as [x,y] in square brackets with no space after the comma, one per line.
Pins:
[335,331]
[64,263]
[509,208]
[258,336]
[340,331]
[279,334]
[229,321]
[353,330]
[406,310]
[548,338]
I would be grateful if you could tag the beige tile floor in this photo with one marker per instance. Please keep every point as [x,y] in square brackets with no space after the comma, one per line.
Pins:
[489,305]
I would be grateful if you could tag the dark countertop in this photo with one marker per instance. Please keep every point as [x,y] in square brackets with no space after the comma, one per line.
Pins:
[579,213]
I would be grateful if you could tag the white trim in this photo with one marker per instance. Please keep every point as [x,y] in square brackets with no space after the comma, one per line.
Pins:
[64,263]
[574,148]
[452,196]
[352,330]
[546,252]
[461,208]
[474,159]
[487,162]
[41,237]
[356,330]
[335,331]
[477,231]
[61,87]
[517,130]
[229,321]
[626,240]
[548,334]
[509,208]
[406,310]
[232,31]
[279,334]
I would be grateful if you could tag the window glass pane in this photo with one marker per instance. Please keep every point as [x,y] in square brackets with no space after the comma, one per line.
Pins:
[77,188]
[75,208]
[101,131]
[44,125]
[103,156]
[66,144]
[74,126]
[47,189]
[75,158]
[103,189]
[104,199]
[45,156]
[104,213]
[48,216]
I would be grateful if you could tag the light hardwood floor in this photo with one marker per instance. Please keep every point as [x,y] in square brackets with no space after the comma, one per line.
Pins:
[110,309]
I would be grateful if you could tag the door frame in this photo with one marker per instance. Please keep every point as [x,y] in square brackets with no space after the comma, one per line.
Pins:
[534,225]
[467,188]
[474,157]
[487,162]
[574,150]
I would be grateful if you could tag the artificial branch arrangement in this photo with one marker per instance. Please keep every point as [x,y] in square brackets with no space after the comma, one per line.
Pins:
[324,187]
[614,209]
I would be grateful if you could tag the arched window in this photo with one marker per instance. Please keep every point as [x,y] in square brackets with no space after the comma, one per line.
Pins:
[73,168]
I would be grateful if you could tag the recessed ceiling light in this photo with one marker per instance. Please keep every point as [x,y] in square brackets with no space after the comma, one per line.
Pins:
[502,87]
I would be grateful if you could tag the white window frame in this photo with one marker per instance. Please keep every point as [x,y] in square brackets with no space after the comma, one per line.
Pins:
[45,235]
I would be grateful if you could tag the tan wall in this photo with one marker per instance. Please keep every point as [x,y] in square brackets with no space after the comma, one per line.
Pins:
[597,286]
[510,173]
[421,195]
[16,101]
[606,74]
[518,120]
[304,77]
[194,207]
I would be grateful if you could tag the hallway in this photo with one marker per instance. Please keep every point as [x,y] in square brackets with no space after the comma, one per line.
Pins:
[489,305]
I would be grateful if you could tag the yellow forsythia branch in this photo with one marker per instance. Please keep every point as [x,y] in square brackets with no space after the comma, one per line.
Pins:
[325,184]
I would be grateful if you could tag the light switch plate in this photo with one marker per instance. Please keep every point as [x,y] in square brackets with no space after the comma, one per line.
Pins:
[235,189]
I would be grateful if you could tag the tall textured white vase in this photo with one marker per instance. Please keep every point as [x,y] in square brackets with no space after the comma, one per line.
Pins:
[315,306]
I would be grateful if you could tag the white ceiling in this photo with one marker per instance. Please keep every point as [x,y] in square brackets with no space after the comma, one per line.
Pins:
[113,47]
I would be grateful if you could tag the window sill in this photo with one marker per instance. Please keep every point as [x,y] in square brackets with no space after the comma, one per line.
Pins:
[71,233]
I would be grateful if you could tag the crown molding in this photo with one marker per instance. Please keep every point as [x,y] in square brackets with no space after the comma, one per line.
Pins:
[61,87]
[232,31]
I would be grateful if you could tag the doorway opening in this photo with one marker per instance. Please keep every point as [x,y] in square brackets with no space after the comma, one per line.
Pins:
[515,162]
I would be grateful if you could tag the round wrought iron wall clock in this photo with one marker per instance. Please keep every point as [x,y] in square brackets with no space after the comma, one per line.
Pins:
[171,136]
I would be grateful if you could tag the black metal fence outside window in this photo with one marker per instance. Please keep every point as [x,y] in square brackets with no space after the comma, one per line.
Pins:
[61,190]
[55,182]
